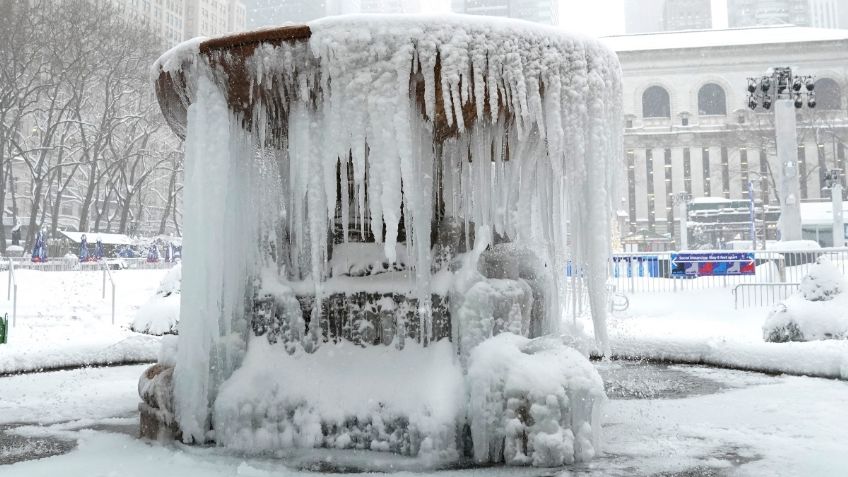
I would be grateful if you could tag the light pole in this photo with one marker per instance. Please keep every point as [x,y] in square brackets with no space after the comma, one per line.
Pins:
[784,90]
[834,183]
[681,200]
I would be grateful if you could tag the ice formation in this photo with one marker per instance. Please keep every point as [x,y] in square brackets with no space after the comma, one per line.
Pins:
[446,140]
[553,399]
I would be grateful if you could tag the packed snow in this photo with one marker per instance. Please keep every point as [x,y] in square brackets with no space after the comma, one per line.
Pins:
[702,326]
[64,320]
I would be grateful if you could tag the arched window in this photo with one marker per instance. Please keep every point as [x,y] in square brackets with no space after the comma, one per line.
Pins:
[712,100]
[655,103]
[828,94]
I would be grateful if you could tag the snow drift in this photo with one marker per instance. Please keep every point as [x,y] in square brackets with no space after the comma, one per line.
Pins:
[161,313]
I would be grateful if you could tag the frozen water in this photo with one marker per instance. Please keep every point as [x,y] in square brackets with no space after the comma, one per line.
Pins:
[507,127]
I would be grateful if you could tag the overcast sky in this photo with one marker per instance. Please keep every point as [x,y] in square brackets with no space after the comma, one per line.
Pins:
[595,17]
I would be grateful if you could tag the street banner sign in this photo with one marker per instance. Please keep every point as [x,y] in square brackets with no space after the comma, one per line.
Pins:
[711,264]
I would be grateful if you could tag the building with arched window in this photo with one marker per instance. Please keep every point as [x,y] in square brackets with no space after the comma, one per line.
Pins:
[829,94]
[688,128]
[712,100]
[656,103]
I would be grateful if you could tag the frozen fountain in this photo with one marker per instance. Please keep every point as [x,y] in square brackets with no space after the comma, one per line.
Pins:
[378,214]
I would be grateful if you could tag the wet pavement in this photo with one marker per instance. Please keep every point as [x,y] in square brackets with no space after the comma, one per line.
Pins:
[18,443]
[18,448]
[639,380]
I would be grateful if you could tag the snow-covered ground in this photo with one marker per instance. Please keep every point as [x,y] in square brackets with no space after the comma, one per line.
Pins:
[703,326]
[62,319]
[741,424]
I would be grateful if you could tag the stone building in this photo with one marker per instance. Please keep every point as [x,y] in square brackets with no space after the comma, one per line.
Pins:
[688,128]
[539,11]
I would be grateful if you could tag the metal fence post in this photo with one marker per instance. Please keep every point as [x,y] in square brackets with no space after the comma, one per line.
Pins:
[113,303]
[15,306]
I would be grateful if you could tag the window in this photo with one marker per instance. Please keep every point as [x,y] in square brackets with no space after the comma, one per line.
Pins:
[712,100]
[655,103]
[828,94]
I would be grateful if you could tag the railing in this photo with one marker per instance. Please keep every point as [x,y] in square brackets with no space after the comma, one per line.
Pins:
[62,265]
[108,272]
[12,284]
[651,272]
[761,294]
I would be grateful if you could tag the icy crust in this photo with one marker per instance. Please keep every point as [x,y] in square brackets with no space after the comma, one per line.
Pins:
[161,313]
[819,311]
[174,59]
[533,402]
[343,396]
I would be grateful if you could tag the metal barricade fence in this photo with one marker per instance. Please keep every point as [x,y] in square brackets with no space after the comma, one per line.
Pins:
[652,272]
[761,294]
[61,265]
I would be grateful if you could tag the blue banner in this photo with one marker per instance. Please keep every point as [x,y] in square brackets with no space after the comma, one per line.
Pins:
[709,264]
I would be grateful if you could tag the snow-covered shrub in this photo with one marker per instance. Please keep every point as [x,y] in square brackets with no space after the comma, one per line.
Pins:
[161,313]
[819,310]
[533,402]
[823,282]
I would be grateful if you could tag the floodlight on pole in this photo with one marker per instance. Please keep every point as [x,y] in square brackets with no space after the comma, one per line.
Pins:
[833,181]
[782,88]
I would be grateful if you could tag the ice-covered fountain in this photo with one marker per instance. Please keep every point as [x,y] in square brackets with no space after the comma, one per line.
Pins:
[378,215]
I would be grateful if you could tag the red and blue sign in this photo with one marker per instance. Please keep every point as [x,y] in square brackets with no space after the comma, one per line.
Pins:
[712,264]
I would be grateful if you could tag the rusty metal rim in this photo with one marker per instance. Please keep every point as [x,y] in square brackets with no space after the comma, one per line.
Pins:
[268,35]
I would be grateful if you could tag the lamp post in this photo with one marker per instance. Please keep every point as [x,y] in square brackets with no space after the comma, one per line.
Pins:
[784,90]
[681,200]
[834,183]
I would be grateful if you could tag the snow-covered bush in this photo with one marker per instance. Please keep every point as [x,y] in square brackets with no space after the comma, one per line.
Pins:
[161,313]
[819,310]
[823,282]
[533,402]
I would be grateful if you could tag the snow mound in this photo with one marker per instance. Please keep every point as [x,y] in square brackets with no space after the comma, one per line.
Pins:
[533,402]
[819,311]
[823,282]
[161,313]
[345,397]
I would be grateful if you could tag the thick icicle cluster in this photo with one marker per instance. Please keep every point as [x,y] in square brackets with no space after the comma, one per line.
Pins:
[509,126]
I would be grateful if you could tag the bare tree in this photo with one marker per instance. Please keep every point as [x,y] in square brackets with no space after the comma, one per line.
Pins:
[78,117]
